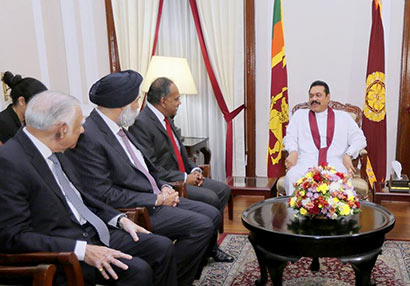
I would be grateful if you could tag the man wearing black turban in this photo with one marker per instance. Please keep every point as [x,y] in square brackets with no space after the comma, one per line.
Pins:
[113,167]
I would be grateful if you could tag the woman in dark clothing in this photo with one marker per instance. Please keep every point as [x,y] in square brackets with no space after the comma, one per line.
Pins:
[22,89]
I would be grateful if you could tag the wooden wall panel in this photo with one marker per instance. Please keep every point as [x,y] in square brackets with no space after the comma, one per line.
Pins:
[250,122]
[112,38]
[403,131]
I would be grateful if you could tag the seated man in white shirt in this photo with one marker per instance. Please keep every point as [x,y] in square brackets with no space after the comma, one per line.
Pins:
[318,135]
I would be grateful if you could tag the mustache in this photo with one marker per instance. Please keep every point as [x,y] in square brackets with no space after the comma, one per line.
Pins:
[314,101]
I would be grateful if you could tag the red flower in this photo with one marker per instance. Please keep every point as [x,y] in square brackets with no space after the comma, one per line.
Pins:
[317,177]
[340,175]
[357,204]
[324,164]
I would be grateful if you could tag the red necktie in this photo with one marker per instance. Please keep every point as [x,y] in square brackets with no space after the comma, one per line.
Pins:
[174,144]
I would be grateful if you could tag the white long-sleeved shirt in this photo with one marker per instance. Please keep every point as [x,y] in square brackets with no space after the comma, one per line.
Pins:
[348,138]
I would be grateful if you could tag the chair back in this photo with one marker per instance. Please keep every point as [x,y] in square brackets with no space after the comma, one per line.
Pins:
[353,110]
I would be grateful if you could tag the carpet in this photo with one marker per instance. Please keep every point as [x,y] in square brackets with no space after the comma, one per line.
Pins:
[392,267]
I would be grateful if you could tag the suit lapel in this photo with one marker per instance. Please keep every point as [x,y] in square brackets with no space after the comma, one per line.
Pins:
[110,137]
[157,123]
[161,128]
[41,166]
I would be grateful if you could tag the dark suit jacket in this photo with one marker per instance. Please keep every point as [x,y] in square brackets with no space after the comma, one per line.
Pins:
[153,137]
[34,214]
[9,124]
[105,167]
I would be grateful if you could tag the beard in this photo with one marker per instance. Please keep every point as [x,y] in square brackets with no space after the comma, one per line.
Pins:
[127,117]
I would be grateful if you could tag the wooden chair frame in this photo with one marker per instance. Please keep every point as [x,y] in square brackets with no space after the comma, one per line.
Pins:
[32,265]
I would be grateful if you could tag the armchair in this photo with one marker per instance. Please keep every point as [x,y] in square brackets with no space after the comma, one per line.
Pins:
[26,263]
[40,267]
[360,180]
[40,275]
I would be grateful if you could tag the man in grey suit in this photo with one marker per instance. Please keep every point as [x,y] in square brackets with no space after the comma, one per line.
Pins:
[155,131]
[44,206]
[114,168]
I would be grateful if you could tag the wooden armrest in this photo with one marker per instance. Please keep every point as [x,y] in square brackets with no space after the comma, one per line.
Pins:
[40,275]
[363,163]
[206,170]
[138,215]
[180,187]
[68,260]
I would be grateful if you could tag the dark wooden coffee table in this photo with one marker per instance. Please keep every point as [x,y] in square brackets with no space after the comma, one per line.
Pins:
[382,193]
[278,237]
[249,186]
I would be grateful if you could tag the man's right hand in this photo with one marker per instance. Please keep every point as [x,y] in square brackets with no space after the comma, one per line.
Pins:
[194,179]
[102,257]
[291,160]
[171,199]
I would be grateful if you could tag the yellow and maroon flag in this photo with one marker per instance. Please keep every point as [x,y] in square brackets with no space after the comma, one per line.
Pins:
[278,115]
[374,111]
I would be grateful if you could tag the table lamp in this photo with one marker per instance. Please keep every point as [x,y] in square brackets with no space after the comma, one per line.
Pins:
[176,69]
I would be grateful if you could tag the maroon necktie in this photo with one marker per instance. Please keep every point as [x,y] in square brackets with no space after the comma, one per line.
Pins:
[174,144]
[137,162]
[329,133]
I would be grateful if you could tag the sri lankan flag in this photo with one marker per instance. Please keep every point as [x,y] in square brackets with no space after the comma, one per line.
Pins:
[278,117]
[374,119]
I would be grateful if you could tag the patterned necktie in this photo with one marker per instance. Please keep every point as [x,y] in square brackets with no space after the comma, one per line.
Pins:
[79,205]
[174,144]
[137,162]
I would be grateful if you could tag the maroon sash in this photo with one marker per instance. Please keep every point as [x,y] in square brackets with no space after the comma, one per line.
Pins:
[329,134]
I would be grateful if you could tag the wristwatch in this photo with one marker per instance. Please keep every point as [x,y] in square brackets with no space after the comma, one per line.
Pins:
[118,220]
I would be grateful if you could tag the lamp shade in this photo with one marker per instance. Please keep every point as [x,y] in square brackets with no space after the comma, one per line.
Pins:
[176,69]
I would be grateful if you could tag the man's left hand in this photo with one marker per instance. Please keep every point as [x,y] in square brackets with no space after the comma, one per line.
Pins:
[132,228]
[347,162]
[168,190]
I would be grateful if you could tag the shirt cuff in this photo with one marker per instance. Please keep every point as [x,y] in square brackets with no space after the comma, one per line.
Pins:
[79,249]
[196,169]
[166,185]
[352,154]
[114,221]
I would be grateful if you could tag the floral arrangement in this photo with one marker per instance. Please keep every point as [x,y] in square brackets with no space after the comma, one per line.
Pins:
[324,192]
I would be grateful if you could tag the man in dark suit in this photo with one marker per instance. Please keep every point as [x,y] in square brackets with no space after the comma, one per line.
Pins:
[155,132]
[43,206]
[111,163]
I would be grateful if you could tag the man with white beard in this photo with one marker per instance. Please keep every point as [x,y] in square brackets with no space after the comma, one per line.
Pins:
[113,168]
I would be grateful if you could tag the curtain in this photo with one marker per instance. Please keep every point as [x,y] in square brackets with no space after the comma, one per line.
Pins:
[222,27]
[198,115]
[135,22]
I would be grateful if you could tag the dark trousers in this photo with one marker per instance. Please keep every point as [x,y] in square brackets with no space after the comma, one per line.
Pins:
[153,260]
[210,192]
[193,225]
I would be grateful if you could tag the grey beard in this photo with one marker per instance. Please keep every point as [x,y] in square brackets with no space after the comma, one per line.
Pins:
[127,117]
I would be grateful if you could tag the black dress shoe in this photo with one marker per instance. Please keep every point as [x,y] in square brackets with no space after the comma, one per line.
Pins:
[220,256]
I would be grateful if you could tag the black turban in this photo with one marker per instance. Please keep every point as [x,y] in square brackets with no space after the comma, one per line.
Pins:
[116,89]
